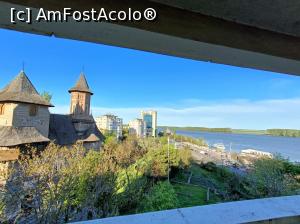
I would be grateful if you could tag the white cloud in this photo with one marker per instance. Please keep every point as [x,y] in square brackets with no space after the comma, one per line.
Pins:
[277,113]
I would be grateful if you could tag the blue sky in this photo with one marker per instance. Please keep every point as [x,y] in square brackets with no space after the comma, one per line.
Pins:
[124,81]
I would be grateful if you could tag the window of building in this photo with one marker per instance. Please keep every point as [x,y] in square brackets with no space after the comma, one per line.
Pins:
[1,108]
[33,110]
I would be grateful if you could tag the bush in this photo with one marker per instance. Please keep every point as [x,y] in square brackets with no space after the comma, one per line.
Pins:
[59,185]
[209,166]
[268,178]
[161,197]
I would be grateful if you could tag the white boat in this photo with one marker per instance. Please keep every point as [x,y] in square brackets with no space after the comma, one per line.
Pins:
[219,146]
[257,153]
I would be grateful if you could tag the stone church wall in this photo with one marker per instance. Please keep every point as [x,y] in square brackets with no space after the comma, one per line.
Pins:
[23,118]
[7,117]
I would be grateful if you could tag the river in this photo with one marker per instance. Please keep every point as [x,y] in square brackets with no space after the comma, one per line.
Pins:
[288,147]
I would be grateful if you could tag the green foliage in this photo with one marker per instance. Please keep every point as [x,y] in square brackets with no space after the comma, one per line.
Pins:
[269,178]
[71,184]
[290,168]
[110,138]
[209,166]
[284,132]
[195,141]
[2,207]
[230,185]
[61,185]
[161,197]
[191,195]
[47,96]
[185,158]
[157,160]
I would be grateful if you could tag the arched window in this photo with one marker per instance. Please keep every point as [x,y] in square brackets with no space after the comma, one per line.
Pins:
[1,108]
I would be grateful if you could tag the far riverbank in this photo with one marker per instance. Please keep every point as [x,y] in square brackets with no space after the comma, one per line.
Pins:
[272,132]
[286,146]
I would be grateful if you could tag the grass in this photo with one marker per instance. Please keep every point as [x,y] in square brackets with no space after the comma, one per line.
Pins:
[189,195]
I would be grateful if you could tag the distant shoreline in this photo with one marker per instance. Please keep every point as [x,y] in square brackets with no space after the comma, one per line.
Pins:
[270,132]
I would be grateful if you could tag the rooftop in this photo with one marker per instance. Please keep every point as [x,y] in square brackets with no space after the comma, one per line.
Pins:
[62,131]
[13,136]
[22,90]
[91,138]
[81,85]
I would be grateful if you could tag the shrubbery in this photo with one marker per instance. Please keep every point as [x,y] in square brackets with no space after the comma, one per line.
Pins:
[266,178]
[161,197]
[271,178]
[69,184]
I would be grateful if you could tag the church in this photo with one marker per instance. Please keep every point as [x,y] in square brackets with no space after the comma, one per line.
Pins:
[25,119]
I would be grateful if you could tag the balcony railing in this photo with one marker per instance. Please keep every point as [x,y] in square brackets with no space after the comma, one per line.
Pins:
[280,210]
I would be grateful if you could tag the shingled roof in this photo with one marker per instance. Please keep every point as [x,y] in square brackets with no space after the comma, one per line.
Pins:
[22,90]
[91,138]
[81,85]
[13,136]
[62,131]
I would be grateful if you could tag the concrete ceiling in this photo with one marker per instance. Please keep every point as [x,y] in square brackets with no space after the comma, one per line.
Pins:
[260,34]
[281,16]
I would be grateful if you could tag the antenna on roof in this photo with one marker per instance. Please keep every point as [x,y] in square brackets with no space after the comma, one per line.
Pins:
[82,70]
[23,66]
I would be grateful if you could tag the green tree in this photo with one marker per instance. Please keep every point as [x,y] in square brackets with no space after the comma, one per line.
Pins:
[47,96]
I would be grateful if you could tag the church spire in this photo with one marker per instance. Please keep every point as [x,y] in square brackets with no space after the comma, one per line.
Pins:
[81,85]
[80,98]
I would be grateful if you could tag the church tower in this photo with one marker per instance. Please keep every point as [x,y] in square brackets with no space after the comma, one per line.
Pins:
[80,98]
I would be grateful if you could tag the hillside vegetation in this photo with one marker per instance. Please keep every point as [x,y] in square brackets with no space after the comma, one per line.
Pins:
[61,185]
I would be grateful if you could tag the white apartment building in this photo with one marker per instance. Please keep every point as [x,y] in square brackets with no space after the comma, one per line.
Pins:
[137,127]
[110,123]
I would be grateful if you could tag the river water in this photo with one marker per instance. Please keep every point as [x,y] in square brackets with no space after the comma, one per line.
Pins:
[286,146]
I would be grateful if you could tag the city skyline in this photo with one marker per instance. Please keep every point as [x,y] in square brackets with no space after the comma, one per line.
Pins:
[184,92]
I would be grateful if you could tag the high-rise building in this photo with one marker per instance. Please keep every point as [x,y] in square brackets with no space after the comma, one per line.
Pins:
[137,127]
[150,118]
[111,124]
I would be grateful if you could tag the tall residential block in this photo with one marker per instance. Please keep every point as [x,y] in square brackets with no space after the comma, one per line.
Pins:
[137,127]
[150,118]
[111,124]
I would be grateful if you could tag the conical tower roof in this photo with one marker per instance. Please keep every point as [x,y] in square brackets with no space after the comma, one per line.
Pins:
[81,85]
[22,90]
